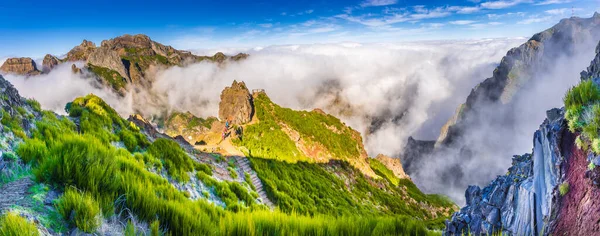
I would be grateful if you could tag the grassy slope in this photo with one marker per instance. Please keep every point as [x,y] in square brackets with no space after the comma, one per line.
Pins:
[299,185]
[84,157]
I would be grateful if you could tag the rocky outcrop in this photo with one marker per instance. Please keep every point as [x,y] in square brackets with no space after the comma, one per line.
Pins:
[81,52]
[394,164]
[236,104]
[518,67]
[20,66]
[106,58]
[49,63]
[523,201]
[10,98]
[414,151]
[527,200]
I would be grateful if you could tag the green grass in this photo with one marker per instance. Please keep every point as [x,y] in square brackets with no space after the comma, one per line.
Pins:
[267,140]
[12,224]
[381,170]
[310,189]
[563,188]
[113,78]
[582,104]
[110,179]
[176,161]
[79,210]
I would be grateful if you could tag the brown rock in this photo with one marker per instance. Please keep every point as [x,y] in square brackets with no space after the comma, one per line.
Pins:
[219,57]
[49,63]
[75,69]
[81,52]
[236,104]
[104,57]
[394,165]
[20,66]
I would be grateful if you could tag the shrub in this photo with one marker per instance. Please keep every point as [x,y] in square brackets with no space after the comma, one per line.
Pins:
[232,172]
[13,224]
[32,151]
[9,156]
[177,162]
[563,188]
[582,94]
[79,210]
[203,168]
[591,166]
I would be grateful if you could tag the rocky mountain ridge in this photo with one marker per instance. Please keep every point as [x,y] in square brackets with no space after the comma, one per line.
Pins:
[552,191]
[118,62]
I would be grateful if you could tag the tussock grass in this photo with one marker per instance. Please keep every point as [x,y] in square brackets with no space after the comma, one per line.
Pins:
[79,210]
[12,224]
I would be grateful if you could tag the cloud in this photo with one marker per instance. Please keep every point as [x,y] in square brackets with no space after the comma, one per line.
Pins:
[549,2]
[501,4]
[55,89]
[562,11]
[534,19]
[266,25]
[462,22]
[378,3]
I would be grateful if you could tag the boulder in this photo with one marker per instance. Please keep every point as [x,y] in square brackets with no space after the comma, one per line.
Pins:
[49,63]
[104,57]
[20,66]
[236,104]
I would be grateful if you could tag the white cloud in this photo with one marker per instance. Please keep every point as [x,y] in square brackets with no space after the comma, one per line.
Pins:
[549,2]
[377,3]
[534,19]
[266,25]
[462,22]
[501,4]
[562,11]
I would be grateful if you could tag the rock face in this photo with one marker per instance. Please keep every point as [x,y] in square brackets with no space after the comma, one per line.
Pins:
[20,66]
[394,164]
[415,150]
[236,104]
[81,52]
[522,201]
[527,200]
[49,63]
[518,67]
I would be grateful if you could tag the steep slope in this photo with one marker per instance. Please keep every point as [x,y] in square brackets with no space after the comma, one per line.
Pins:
[554,190]
[498,104]
[94,172]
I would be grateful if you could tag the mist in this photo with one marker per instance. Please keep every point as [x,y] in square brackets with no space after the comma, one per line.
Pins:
[387,92]
[503,129]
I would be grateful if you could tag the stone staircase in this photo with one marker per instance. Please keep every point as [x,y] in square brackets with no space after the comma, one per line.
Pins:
[14,193]
[244,163]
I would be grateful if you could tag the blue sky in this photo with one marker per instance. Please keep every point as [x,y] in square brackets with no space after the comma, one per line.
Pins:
[34,28]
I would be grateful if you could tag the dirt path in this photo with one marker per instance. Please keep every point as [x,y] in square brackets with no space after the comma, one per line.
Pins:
[14,193]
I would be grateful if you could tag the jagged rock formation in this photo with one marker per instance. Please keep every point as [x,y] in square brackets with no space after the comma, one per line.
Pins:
[20,66]
[495,103]
[49,63]
[522,201]
[394,164]
[527,200]
[236,104]
[519,66]
[414,150]
[81,52]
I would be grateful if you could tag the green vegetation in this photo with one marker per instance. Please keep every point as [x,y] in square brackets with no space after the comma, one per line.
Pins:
[267,140]
[143,57]
[381,170]
[12,224]
[591,166]
[12,123]
[248,180]
[177,162]
[232,172]
[113,78]
[191,121]
[79,210]
[582,104]
[109,179]
[307,188]
[563,188]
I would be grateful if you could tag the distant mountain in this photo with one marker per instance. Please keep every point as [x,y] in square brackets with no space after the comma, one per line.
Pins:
[492,102]
[555,190]
[117,62]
